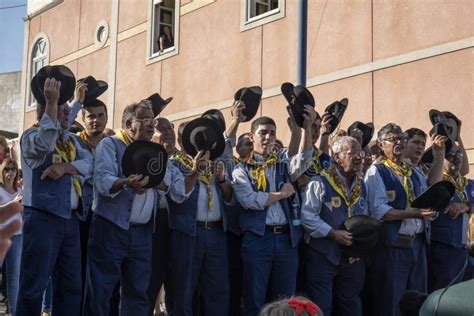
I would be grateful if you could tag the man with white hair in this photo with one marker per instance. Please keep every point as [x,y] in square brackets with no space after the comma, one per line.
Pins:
[330,198]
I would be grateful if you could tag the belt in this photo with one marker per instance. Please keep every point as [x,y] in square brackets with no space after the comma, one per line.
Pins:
[419,235]
[210,225]
[277,229]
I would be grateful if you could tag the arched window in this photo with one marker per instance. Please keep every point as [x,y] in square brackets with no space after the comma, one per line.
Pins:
[39,59]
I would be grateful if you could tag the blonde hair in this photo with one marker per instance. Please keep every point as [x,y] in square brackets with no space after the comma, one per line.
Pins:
[5,163]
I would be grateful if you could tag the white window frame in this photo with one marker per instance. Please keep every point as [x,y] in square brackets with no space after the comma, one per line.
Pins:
[247,22]
[30,105]
[152,57]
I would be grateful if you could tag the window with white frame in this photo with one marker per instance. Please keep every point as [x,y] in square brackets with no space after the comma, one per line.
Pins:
[257,8]
[163,28]
[39,59]
[258,12]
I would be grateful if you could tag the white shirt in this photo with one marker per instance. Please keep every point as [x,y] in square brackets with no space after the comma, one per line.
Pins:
[6,197]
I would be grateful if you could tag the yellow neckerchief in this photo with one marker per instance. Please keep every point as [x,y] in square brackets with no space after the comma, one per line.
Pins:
[460,184]
[67,151]
[123,137]
[205,178]
[333,178]
[404,170]
[316,166]
[86,139]
[259,172]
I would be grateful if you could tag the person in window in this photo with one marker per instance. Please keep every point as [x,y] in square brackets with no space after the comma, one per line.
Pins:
[166,39]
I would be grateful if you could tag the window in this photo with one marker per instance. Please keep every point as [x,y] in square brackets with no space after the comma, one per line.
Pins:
[256,8]
[258,12]
[39,59]
[164,27]
[101,33]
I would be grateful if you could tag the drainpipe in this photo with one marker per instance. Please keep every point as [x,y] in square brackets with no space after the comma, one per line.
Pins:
[302,42]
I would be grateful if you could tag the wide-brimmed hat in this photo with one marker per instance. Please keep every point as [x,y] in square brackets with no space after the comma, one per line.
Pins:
[157,103]
[366,129]
[203,134]
[447,118]
[94,88]
[336,111]
[58,72]
[365,234]
[251,96]
[145,158]
[297,97]
[436,197]
[217,116]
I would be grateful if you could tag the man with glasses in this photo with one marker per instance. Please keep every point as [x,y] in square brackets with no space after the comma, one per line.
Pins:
[448,250]
[120,239]
[330,198]
[400,260]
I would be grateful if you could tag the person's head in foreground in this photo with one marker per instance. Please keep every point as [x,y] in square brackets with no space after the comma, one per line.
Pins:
[293,306]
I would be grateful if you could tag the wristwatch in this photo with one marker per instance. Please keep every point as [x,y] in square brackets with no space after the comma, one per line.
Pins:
[125,187]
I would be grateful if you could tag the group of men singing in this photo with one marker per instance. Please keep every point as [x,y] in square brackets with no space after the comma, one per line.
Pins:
[226,234]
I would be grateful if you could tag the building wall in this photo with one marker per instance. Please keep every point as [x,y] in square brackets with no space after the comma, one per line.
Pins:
[10,101]
[393,59]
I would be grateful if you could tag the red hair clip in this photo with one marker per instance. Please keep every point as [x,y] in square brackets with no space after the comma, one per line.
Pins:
[299,305]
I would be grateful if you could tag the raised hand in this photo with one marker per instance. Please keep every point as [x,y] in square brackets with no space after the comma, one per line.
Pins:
[80,93]
[237,109]
[51,91]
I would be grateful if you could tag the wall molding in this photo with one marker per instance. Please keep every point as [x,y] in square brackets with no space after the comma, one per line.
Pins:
[345,73]
[194,5]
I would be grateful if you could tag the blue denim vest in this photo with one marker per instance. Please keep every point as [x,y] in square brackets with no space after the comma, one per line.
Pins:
[398,200]
[448,230]
[52,196]
[183,217]
[87,189]
[334,213]
[254,221]
[119,208]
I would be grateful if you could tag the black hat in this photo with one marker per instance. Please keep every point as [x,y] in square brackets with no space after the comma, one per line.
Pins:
[447,118]
[251,97]
[297,98]
[365,234]
[59,72]
[146,158]
[336,111]
[203,134]
[217,116]
[437,197]
[366,129]
[94,88]
[157,103]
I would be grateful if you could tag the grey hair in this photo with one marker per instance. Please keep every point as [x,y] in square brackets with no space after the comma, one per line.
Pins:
[389,128]
[338,144]
[130,111]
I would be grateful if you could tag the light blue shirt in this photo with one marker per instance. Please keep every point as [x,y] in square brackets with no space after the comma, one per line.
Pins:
[255,200]
[38,143]
[378,201]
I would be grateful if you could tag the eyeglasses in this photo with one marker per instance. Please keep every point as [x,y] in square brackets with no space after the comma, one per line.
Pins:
[147,121]
[10,169]
[356,153]
[394,139]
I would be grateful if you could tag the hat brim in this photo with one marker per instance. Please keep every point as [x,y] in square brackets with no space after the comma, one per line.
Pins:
[102,86]
[336,110]
[189,147]
[58,72]
[251,97]
[217,116]
[287,91]
[158,104]
[437,197]
[365,233]
[145,158]
[366,129]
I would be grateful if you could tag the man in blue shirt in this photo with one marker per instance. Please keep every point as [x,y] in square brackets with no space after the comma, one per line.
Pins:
[54,168]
